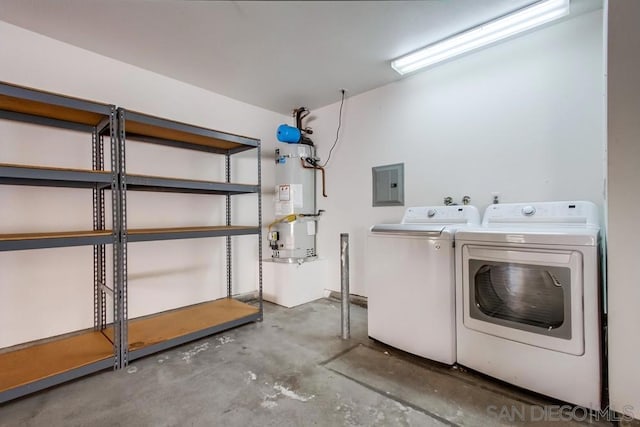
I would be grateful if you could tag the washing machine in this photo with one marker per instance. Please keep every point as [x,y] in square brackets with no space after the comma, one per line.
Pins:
[410,280]
[528,299]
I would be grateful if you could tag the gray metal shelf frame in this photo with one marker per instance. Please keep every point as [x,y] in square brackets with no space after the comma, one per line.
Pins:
[24,241]
[177,185]
[53,177]
[32,106]
[155,130]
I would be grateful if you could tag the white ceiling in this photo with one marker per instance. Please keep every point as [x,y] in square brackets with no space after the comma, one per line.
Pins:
[274,54]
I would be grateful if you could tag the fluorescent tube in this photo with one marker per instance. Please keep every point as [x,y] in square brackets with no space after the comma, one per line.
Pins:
[485,34]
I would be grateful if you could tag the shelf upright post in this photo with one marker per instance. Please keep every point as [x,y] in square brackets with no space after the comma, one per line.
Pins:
[115,215]
[99,261]
[103,249]
[123,342]
[259,148]
[227,170]
[118,189]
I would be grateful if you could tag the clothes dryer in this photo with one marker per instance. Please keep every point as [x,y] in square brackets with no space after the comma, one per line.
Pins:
[528,299]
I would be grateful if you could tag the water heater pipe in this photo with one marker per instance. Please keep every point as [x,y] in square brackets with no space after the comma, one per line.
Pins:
[317,167]
[299,114]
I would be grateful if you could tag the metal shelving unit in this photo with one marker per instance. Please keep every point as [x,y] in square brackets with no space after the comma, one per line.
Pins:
[171,328]
[30,367]
[42,364]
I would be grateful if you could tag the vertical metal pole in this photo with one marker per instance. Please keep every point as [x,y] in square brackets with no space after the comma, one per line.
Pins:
[99,251]
[123,294]
[97,300]
[119,210]
[344,285]
[260,228]
[102,248]
[114,128]
[227,169]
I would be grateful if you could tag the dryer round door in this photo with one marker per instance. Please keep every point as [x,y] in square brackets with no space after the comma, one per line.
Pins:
[532,296]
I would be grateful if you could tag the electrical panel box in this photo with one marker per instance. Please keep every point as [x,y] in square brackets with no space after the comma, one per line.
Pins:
[388,185]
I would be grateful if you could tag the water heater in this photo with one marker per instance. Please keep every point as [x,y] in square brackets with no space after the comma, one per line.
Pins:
[292,235]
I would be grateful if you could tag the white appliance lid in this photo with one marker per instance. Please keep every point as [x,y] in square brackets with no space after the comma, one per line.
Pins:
[408,228]
[432,221]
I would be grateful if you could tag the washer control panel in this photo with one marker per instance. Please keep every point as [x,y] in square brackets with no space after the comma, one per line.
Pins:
[465,214]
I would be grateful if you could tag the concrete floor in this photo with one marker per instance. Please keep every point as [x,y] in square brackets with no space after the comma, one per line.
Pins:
[292,369]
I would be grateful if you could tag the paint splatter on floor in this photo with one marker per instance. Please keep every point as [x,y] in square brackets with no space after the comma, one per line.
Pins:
[268,401]
[225,340]
[403,416]
[132,370]
[291,394]
[187,356]
[347,409]
[268,404]
[250,376]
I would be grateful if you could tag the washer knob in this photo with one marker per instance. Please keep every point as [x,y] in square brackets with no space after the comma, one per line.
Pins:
[431,213]
[528,210]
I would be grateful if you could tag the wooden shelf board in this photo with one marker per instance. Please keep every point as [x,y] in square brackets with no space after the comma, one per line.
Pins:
[165,326]
[42,109]
[53,235]
[145,126]
[39,361]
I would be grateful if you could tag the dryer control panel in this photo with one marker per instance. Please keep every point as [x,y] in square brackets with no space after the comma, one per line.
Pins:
[569,213]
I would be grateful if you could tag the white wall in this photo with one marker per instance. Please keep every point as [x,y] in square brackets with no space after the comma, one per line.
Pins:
[623,201]
[523,118]
[49,292]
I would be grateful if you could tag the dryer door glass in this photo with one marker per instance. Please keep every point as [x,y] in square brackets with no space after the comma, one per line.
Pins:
[529,297]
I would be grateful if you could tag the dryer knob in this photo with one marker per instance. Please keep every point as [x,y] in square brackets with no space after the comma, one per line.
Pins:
[528,210]
[431,213]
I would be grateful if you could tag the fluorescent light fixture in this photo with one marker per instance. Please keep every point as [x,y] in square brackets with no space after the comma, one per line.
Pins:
[485,34]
